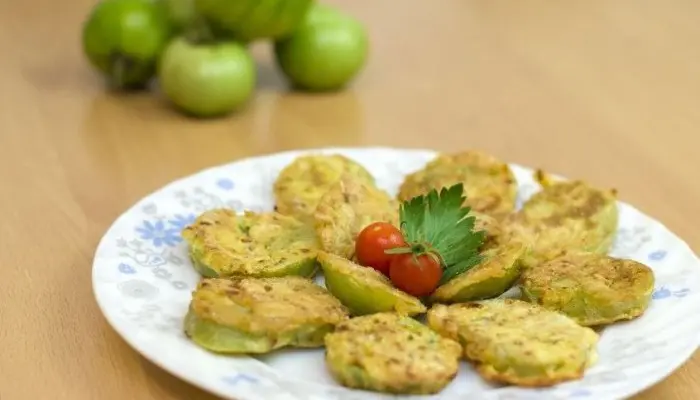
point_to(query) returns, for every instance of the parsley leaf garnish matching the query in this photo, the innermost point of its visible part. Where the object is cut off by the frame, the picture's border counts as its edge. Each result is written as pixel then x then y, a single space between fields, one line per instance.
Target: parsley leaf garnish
pixel 439 221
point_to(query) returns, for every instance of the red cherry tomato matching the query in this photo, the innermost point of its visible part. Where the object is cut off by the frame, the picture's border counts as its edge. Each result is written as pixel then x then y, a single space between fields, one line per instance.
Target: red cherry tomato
pixel 415 275
pixel 373 240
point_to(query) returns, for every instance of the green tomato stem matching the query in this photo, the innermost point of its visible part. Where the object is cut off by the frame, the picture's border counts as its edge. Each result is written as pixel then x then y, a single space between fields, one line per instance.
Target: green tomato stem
pixel 398 250
pixel 120 70
pixel 418 249
pixel 200 32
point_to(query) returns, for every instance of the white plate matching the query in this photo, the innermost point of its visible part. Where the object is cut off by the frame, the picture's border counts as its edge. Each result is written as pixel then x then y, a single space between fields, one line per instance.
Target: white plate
pixel 142 279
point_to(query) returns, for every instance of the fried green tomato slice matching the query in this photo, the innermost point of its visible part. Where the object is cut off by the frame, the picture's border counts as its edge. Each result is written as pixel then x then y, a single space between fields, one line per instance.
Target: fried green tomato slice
pixel 365 290
pixel 300 185
pixel 391 353
pixel 223 243
pixel 346 209
pixel 567 216
pixel 490 225
pixel 593 289
pixel 489 183
pixel 258 315
pixel 493 276
pixel 514 342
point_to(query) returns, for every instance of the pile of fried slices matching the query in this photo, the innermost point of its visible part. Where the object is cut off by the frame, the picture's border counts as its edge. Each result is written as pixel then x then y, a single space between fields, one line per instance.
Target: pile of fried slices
pixel 258 294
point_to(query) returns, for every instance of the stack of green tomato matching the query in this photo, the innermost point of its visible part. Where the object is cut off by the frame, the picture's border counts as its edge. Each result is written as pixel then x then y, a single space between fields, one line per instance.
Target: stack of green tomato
pixel 198 49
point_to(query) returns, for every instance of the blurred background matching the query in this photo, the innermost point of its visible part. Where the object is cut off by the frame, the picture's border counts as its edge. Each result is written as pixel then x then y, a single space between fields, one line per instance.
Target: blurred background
pixel 589 81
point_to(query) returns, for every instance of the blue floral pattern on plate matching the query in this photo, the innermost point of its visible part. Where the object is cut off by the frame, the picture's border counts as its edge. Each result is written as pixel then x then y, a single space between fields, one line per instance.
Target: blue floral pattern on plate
pixel 142 279
pixel 126 269
pixel 664 292
pixel 658 255
pixel 179 222
pixel 237 379
pixel 158 233
pixel 225 183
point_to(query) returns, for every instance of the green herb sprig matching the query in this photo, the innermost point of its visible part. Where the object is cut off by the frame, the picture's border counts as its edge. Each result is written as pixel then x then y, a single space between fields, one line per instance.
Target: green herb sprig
pixel 438 221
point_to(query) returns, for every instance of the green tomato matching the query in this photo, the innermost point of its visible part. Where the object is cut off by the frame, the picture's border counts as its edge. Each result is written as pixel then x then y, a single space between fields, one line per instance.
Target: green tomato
pixel 223 15
pixel 288 19
pixel 248 20
pixel 207 79
pixel 123 39
pixel 259 19
pixel 325 53
pixel 181 14
pixel 323 13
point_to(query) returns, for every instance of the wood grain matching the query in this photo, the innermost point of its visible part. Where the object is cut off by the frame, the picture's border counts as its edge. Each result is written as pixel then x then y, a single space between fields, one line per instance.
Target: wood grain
pixel 604 90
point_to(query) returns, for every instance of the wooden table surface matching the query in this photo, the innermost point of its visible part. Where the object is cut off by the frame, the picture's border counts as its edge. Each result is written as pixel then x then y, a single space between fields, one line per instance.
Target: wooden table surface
pixel 605 90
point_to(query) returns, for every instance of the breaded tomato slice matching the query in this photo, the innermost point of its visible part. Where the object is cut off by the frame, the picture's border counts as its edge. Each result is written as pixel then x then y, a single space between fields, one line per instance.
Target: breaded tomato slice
pixel 346 209
pixel 489 183
pixel 391 353
pixel 223 243
pixel 593 289
pixel 493 276
pixel 567 216
pixel 300 185
pixel 515 342
pixel 365 290
pixel 258 315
